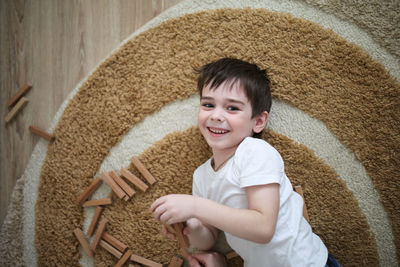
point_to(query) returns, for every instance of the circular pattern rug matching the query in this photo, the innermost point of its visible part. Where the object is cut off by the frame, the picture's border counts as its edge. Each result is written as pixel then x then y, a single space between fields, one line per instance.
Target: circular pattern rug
pixel 334 120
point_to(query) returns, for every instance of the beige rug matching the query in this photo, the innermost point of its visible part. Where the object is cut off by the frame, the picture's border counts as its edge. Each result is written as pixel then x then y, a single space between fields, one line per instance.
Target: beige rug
pixel 334 120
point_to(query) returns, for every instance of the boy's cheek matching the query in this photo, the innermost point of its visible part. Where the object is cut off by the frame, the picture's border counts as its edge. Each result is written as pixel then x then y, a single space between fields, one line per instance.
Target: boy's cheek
pixel 202 132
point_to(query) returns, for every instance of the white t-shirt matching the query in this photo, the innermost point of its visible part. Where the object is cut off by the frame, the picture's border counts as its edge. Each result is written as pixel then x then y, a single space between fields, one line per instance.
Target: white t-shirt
pixel 256 162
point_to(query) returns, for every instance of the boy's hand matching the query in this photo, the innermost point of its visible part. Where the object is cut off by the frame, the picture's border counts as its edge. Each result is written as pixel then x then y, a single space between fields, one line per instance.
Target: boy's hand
pixel 172 209
pixel 207 259
pixel 168 231
pixel 191 225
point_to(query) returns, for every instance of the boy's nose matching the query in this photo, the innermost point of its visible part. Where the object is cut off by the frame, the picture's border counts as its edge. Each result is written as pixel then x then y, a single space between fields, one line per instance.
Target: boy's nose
pixel 217 115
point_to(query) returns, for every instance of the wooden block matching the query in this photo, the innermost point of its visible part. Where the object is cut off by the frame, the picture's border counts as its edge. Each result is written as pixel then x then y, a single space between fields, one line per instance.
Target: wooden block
pixel 83 241
pixel 124 258
pixel 135 265
pixel 182 239
pixel 99 233
pixel 41 133
pixel 128 190
pixel 95 219
pixel 134 179
pixel 145 261
pixel 175 262
pixel 184 253
pixel 21 103
pixel 89 191
pixel 114 186
pixel 142 169
pixel 114 242
pixel 299 190
pixel 231 255
pixel 97 202
pixel 110 249
pixel 21 91
pixel 169 228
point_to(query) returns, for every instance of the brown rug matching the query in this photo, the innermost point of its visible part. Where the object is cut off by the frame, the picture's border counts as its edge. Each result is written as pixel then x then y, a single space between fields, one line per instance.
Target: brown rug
pixel 311 68
pixel 380 18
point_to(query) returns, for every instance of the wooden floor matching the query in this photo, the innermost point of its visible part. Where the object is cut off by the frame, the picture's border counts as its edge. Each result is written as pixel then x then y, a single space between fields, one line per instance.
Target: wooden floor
pixel 52 45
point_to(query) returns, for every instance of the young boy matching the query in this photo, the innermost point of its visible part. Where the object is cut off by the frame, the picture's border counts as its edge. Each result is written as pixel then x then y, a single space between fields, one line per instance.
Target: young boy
pixel 242 189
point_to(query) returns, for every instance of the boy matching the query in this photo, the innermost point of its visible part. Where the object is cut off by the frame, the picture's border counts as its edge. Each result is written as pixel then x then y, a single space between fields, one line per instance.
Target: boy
pixel 242 189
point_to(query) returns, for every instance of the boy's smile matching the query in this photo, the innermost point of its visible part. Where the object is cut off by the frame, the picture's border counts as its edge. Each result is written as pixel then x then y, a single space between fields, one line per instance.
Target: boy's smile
pixel 225 118
pixel 217 131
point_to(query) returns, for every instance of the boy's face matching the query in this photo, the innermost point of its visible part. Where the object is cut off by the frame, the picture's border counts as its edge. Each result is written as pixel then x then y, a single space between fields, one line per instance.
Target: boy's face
pixel 225 117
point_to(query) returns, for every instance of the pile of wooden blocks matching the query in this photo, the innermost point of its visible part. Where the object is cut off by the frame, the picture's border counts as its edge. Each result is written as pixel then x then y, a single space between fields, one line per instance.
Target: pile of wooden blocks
pixel 104 239
pixel 16 103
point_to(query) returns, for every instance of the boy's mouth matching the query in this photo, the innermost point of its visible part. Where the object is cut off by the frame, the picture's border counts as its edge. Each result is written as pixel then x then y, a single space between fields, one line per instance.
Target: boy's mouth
pixel 217 130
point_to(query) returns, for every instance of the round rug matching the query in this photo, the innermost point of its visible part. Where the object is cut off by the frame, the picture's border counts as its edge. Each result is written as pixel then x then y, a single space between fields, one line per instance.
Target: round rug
pixel 329 81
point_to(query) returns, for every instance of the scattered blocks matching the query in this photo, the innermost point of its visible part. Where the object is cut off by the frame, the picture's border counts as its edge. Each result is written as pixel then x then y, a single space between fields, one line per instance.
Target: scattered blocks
pixel 182 239
pixel 124 186
pixel 134 179
pixel 114 186
pixel 176 262
pixel 83 241
pixel 121 247
pixel 117 248
pixel 95 219
pixel 19 100
pixel 21 91
pixel 89 191
pixel 97 202
pixel 110 249
pixel 142 169
pixel 103 238
pixel 99 233
pixel 41 133
pixel 169 228
pixel 21 103
pixel 124 258
pixel 144 261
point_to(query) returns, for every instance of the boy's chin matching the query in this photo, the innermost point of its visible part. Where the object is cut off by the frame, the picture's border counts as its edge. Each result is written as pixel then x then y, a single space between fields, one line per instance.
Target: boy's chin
pixel 221 146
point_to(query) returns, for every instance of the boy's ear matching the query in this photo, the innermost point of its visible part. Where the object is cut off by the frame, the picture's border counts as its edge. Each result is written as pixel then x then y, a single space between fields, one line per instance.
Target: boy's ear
pixel 260 122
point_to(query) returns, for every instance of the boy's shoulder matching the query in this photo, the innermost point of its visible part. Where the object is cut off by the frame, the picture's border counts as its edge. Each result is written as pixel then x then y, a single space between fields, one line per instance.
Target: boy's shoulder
pixel 256 149
pixel 255 144
pixel 203 167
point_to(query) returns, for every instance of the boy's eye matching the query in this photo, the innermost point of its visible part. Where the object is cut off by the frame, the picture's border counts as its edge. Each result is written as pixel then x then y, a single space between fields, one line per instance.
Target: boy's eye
pixel 207 105
pixel 232 108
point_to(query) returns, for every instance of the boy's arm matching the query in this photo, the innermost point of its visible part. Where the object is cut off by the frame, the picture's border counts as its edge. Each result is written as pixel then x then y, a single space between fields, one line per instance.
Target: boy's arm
pixel 201 236
pixel 257 223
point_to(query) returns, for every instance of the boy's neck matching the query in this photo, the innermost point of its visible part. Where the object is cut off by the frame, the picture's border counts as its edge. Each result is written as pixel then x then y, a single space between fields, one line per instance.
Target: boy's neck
pixel 219 159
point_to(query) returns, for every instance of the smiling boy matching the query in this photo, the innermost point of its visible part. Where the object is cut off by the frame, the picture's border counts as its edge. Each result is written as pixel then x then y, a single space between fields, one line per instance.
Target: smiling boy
pixel 242 189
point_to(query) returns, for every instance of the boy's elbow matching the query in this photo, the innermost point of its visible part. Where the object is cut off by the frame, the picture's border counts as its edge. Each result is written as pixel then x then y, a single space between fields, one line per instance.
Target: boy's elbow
pixel 263 239
pixel 265 236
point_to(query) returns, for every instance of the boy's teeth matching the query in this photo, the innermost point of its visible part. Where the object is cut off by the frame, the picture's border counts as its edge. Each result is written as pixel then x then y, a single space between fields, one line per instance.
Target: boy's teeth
pixel 217 131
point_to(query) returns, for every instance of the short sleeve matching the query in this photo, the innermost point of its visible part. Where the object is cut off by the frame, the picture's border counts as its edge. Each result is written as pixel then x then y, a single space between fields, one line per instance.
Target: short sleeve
pixel 195 186
pixel 258 163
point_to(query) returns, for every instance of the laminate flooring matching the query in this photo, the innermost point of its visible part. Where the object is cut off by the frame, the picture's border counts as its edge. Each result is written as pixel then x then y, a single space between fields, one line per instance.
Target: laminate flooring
pixel 53 45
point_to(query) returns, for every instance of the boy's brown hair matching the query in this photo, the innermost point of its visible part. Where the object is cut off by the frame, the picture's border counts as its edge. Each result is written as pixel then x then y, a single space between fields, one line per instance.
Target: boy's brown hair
pixel 255 81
